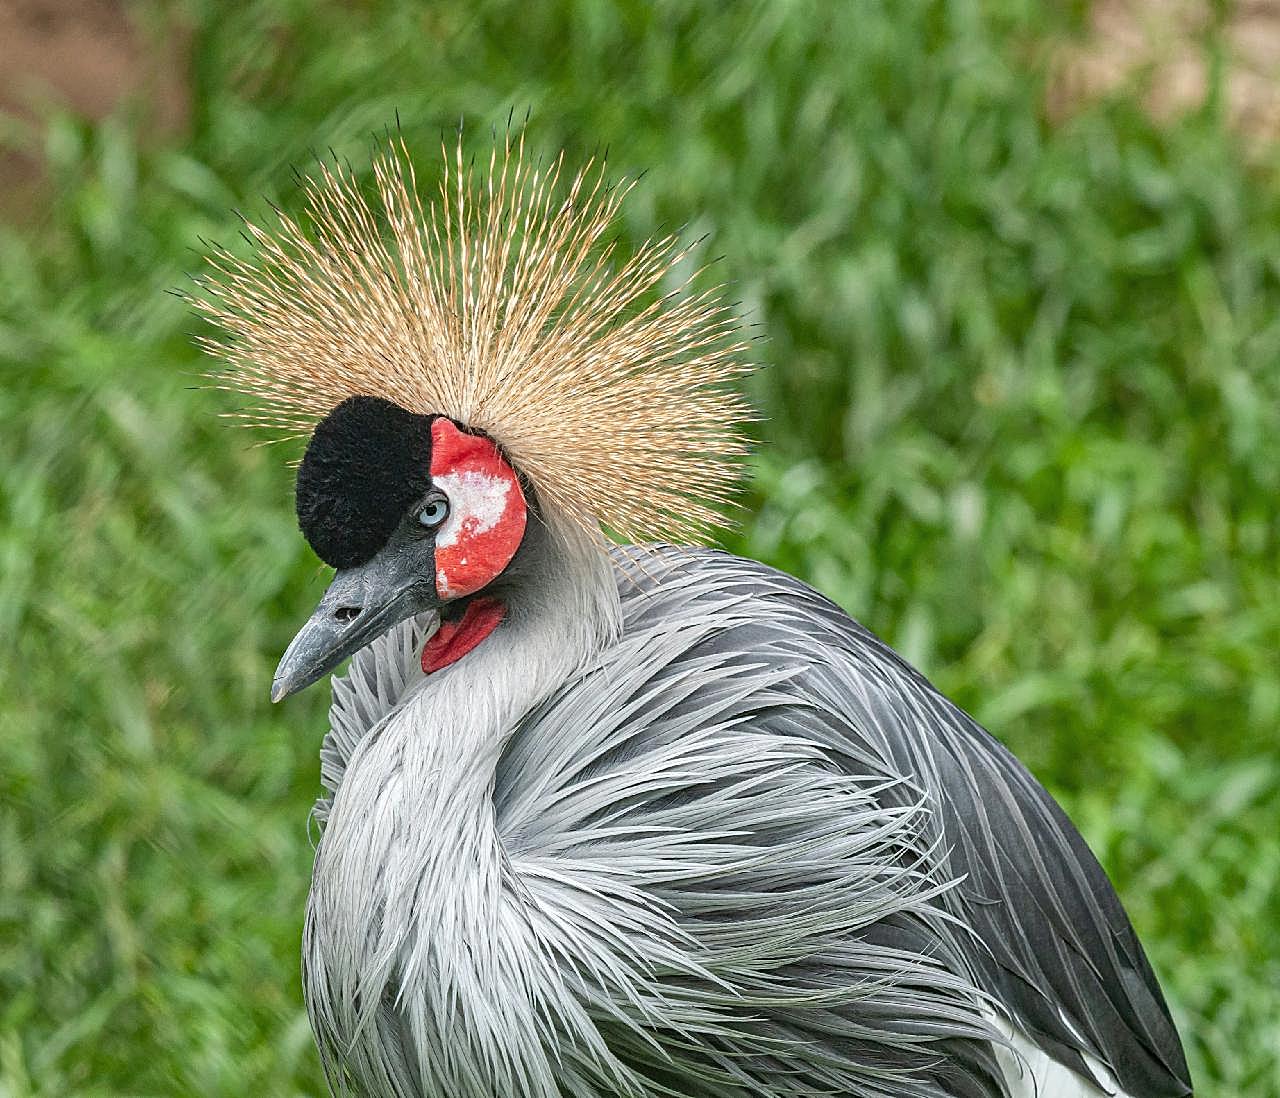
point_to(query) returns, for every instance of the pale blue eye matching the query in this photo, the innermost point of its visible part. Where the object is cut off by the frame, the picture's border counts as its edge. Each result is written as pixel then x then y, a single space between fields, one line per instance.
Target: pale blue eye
pixel 433 512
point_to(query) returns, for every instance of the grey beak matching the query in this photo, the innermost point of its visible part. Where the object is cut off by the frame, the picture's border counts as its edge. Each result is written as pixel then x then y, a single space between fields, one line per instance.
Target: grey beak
pixel 360 605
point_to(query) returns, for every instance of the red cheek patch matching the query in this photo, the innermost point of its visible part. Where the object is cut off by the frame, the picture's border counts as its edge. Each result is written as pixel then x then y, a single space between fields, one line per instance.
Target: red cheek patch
pixel 486 510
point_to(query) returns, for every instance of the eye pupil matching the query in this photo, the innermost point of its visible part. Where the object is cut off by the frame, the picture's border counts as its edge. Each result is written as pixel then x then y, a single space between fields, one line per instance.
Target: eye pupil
pixel 433 513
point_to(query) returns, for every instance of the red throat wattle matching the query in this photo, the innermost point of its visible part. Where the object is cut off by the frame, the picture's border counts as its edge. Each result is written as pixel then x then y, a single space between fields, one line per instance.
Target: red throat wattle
pixel 454 639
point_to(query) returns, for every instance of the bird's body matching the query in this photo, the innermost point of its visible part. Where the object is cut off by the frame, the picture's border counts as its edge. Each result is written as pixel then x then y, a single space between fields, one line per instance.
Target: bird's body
pixel 629 823
pixel 738 848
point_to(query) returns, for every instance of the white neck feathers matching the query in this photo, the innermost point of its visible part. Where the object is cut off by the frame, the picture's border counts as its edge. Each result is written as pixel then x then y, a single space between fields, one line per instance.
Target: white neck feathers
pixel 412 812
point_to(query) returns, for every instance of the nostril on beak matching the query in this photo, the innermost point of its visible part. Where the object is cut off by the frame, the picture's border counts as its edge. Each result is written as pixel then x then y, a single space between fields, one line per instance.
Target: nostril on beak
pixel 345 615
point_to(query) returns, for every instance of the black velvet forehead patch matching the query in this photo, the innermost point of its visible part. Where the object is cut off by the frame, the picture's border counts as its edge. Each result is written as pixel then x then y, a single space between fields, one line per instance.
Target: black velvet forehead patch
pixel 367 462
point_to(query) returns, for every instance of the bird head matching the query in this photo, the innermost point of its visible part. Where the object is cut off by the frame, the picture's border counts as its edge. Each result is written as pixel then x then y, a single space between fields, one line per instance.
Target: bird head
pixel 471 374
pixel 417 514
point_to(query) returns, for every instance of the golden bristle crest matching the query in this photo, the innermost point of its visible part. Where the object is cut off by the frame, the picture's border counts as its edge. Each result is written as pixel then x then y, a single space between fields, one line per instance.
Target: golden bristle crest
pixel 500 306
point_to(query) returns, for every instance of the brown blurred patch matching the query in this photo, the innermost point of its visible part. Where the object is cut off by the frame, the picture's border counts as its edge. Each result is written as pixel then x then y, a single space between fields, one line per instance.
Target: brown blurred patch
pixel 93 57
pixel 1165 50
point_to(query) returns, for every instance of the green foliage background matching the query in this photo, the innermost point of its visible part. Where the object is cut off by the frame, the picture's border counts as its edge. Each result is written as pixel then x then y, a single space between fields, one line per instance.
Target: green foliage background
pixel 1021 415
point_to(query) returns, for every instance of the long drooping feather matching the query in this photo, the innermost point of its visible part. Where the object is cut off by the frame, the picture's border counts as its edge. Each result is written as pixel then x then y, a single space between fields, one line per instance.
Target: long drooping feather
pixel 745 850
pixel 502 307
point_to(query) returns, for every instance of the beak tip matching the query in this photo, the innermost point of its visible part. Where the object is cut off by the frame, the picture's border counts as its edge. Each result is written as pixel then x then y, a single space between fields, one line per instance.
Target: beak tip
pixel 281 688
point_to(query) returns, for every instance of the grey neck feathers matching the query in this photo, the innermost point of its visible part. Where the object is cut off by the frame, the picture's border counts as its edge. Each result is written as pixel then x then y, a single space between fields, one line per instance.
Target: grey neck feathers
pixel 562 608
pixel 410 768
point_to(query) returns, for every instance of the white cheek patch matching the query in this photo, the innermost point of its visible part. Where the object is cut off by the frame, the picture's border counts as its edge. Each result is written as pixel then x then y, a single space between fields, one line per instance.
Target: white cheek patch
pixel 486 519
pixel 477 502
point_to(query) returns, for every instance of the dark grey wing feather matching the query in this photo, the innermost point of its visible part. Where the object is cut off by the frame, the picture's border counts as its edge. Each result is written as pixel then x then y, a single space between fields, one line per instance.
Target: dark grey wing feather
pixel 1063 953
pixel 1060 952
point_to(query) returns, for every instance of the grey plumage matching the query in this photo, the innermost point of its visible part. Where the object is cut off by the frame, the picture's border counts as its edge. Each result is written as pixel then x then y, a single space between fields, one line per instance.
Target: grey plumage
pixel 728 844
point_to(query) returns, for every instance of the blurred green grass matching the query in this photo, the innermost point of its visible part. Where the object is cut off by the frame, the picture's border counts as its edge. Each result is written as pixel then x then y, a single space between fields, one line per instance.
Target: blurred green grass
pixel 1022 417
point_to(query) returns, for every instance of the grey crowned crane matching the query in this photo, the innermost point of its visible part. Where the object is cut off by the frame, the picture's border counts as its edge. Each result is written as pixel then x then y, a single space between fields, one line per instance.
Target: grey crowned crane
pixel 606 820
